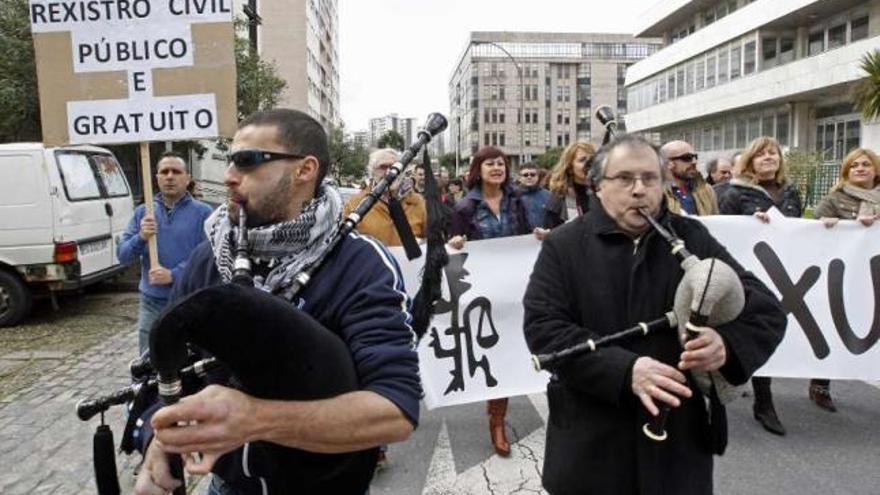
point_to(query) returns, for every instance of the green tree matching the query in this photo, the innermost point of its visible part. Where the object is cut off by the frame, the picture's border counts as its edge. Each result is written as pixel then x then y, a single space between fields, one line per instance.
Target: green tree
pixel 550 157
pixel 447 161
pixel 391 139
pixel 348 160
pixel 19 103
pixel 867 92
pixel 258 84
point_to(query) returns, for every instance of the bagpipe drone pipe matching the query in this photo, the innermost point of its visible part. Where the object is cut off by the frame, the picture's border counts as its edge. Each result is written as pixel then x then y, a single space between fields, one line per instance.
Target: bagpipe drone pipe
pixel 710 293
pixel 267 348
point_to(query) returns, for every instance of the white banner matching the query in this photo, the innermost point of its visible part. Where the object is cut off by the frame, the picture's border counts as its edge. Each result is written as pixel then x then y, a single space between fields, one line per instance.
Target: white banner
pixel 828 280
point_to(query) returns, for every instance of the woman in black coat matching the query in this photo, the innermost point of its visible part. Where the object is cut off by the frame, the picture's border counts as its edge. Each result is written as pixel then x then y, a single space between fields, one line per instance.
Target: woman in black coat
pixel 759 184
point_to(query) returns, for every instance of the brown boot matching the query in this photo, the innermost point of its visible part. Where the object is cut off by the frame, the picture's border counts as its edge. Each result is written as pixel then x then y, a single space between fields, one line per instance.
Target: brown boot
pixel 820 393
pixel 497 409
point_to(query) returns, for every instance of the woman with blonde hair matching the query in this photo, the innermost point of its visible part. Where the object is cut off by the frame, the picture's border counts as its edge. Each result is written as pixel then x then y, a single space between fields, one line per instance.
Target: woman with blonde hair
pixel 856 196
pixel 569 186
pixel 760 184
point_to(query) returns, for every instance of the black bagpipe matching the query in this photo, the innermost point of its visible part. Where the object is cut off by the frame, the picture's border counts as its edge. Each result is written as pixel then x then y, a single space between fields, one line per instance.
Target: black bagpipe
pixel 710 293
pixel 267 348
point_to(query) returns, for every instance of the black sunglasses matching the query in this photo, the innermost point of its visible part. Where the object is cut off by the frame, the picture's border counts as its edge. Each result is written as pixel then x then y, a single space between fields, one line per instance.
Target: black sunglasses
pixel 245 159
pixel 687 157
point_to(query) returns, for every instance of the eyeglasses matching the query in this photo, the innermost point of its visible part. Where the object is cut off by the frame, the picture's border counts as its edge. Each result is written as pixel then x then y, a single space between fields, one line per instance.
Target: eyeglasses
pixel 627 180
pixel 528 174
pixel 246 159
pixel 687 157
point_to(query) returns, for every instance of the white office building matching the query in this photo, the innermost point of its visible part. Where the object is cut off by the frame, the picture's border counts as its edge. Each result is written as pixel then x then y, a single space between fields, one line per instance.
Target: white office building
pixel 730 71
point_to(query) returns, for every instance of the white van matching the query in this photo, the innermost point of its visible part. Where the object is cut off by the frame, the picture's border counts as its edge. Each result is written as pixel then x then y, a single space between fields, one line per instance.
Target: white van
pixel 61 213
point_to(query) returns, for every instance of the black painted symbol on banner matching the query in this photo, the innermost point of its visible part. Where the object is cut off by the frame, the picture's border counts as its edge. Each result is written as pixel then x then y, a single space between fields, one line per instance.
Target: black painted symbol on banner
pixel 793 302
pixel 853 343
pixel 455 274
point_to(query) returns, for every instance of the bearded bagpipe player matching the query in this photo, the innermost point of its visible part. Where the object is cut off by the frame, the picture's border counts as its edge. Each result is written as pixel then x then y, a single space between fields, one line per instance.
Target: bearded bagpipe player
pixel 646 323
pixel 304 324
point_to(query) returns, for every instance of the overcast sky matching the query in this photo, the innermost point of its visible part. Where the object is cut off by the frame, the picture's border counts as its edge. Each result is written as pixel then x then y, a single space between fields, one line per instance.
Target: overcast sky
pixel 396 56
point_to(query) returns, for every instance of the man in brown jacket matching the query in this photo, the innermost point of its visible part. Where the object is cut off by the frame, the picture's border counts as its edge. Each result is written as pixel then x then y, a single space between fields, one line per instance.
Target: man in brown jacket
pixel 378 223
pixel 687 190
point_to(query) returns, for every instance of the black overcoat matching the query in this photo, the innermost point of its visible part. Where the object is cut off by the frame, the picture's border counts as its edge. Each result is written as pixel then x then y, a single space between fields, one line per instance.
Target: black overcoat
pixel 590 280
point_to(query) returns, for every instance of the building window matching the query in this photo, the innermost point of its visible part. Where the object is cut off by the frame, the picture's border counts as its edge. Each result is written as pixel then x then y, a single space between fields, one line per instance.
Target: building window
pixel 700 81
pixel 486 139
pixel 767 129
pixel 501 92
pixel 710 71
pixel 722 66
pixel 816 43
pixel 671 84
pixel 768 52
pixel 735 62
pixel 754 128
pixel 679 82
pixel 501 116
pixel 740 133
pixel 786 49
pixel 501 138
pixel 782 128
pixel 859 29
pixel 837 36
pixel 689 79
pixel 749 58
pixel 729 133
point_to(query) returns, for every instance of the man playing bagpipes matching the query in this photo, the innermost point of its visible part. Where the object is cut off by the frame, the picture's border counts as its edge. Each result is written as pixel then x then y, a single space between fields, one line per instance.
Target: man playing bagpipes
pixel 278 161
pixel 605 272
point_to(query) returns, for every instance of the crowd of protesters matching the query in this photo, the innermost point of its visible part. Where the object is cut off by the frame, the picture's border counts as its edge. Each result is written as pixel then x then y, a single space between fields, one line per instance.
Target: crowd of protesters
pixel 492 200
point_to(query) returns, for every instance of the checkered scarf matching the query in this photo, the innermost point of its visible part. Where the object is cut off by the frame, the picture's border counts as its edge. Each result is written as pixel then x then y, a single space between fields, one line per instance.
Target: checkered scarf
pixel 288 247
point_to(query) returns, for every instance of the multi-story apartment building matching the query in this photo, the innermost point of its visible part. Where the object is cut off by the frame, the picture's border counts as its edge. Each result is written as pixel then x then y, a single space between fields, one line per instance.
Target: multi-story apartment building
pixel 406 127
pixel 300 38
pixel 731 71
pixel 527 92
pixel 361 138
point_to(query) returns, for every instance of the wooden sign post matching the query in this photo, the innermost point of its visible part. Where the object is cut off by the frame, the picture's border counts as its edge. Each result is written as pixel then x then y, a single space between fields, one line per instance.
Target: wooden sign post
pixel 147 180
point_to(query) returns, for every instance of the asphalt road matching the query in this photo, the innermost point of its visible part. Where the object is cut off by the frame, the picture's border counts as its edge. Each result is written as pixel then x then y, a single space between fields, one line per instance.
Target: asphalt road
pixel 54 359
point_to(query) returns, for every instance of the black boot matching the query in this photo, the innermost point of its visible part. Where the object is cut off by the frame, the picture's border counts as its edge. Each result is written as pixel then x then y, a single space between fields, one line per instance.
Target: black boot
pixel 763 408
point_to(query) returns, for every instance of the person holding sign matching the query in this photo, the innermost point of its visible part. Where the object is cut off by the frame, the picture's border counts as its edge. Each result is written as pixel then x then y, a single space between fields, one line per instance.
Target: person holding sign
pixel 177 225
pixel 603 273
pixel 760 183
pixel 492 208
pixel 856 196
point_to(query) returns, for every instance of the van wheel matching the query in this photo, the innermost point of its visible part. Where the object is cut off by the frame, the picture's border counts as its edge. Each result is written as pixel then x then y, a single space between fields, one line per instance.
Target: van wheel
pixel 15 299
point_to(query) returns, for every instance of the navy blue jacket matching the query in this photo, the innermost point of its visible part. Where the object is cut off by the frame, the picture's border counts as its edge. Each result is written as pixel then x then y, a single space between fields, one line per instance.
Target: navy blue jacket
pixel 534 199
pixel 179 232
pixel 359 294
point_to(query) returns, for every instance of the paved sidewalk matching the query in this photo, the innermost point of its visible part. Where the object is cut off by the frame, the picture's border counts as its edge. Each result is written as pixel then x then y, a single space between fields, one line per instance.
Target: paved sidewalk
pixel 57 359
